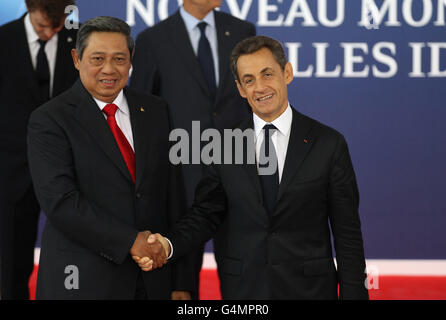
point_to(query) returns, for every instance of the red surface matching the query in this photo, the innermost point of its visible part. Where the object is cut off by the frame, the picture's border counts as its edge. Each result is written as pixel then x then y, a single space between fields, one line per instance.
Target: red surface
pixel 384 288
pixel 410 288
pixel 209 285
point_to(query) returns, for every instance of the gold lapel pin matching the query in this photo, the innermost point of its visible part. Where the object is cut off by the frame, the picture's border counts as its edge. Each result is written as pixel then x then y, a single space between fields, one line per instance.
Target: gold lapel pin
pixel 142 109
pixel 227 33
pixel 69 39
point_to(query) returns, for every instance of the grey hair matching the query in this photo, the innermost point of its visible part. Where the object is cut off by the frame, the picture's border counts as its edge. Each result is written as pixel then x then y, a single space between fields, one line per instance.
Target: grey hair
pixel 102 24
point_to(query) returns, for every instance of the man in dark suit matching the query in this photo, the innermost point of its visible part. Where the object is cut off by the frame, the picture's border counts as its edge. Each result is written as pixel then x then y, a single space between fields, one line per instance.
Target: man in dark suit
pixel 98 157
pixel 185 60
pixel 273 225
pixel 35 65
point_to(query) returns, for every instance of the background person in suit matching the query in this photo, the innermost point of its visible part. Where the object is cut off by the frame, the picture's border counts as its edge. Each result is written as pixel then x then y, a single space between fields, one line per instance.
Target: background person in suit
pixel 35 65
pixel 275 226
pixel 185 60
pixel 98 157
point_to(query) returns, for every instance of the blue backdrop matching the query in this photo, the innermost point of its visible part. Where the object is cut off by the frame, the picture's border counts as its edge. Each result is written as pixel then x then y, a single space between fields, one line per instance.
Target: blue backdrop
pixel 374 70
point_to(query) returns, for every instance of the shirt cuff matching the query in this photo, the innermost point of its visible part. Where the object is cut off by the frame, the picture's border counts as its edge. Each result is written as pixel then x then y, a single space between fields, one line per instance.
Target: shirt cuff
pixel 171 248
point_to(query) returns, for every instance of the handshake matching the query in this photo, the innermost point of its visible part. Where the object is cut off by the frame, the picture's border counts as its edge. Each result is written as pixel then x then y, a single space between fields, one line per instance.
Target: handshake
pixel 150 251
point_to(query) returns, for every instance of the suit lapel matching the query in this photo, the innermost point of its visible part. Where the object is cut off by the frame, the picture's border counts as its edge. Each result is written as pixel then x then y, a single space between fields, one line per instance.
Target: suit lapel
pixel 251 169
pixel 224 50
pixel 141 134
pixel 180 39
pixel 24 56
pixel 252 174
pixel 64 45
pixel 91 118
pixel 299 144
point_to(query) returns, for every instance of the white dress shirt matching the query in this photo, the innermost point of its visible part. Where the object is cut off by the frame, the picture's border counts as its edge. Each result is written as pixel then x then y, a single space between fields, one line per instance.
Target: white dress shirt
pixel 122 115
pixel 194 35
pixel 280 137
pixel 34 46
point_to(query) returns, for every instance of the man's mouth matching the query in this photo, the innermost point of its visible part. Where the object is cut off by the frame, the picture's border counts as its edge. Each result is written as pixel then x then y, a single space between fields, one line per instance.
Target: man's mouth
pixel 106 82
pixel 264 98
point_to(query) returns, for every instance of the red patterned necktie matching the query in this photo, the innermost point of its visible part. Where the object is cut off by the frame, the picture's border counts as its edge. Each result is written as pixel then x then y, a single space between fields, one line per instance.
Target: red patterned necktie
pixel 121 140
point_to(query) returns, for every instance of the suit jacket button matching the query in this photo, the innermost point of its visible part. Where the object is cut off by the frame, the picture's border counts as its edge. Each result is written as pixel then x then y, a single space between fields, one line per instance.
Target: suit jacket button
pixel 214 114
pixel 138 195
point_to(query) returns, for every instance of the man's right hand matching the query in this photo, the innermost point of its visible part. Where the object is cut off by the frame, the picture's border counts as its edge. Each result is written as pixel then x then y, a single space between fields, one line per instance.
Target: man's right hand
pixel 146 263
pixel 154 250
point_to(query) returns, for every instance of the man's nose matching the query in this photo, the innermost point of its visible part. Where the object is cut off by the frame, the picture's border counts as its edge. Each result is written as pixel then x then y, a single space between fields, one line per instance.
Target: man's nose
pixel 108 66
pixel 260 85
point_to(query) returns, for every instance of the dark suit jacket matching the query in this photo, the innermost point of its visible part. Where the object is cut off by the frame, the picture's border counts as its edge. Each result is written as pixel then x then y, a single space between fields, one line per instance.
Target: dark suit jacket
pixel 287 255
pixel 93 208
pixel 165 65
pixel 19 96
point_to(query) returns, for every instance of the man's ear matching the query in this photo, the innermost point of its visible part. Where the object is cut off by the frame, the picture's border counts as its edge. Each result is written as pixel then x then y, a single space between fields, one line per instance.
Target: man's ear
pixel 76 59
pixel 289 76
pixel 240 89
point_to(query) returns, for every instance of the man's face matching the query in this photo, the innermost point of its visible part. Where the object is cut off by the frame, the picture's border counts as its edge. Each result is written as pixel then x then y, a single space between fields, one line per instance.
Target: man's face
pixel 263 83
pixel 105 65
pixel 43 25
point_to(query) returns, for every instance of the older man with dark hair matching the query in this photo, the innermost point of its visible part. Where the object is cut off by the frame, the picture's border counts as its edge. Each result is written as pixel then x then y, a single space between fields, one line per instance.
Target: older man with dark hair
pixel 35 65
pixel 99 160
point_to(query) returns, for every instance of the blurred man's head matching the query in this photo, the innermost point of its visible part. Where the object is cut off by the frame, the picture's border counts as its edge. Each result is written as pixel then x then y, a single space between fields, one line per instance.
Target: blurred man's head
pixel 262 74
pixel 200 8
pixel 47 16
pixel 103 54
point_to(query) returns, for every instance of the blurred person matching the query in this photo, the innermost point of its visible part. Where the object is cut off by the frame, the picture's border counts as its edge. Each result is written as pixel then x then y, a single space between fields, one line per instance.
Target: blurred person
pixel 35 65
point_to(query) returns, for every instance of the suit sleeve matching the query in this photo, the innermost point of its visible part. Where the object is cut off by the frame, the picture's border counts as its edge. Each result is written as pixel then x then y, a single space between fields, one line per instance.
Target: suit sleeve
pixel 204 217
pixel 145 76
pixel 66 207
pixel 346 226
pixel 183 274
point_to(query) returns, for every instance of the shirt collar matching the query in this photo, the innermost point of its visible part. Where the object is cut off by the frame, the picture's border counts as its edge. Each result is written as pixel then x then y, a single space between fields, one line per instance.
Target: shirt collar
pixel 191 22
pixel 282 123
pixel 119 101
pixel 31 34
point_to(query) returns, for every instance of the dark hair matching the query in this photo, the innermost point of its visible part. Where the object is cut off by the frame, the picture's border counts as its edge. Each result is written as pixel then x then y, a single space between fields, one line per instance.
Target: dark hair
pixel 54 9
pixel 102 24
pixel 254 44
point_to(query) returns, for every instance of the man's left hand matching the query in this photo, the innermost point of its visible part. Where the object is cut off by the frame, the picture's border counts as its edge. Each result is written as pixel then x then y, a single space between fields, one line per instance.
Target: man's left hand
pixel 181 295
